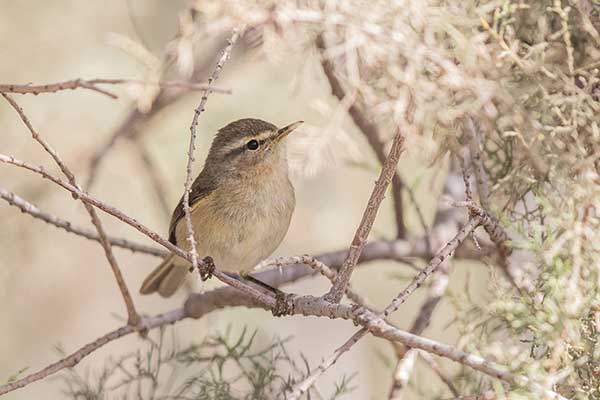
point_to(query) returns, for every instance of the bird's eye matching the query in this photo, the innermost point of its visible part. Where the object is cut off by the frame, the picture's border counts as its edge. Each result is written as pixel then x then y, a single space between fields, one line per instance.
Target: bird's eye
pixel 252 144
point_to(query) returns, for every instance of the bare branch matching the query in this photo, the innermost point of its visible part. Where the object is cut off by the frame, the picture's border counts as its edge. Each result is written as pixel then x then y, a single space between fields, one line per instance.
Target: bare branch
pixel 132 314
pixel 92 84
pixel 368 129
pixel 389 167
pixel 35 212
pixel 74 358
pixel 155 178
pixel 435 262
pixel 406 358
pixel 96 203
pixel 480 176
pixel 434 366
pixel 188 178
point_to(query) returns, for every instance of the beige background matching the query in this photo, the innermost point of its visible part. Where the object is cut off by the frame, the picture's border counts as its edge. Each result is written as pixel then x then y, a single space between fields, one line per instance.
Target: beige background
pixel 56 288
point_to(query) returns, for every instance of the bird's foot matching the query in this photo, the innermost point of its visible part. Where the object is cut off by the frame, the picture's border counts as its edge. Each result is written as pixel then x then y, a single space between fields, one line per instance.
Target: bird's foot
pixel 207 268
pixel 284 304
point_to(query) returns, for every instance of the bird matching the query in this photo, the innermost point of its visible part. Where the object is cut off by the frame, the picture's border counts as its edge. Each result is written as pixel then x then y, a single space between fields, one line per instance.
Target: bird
pixel 241 204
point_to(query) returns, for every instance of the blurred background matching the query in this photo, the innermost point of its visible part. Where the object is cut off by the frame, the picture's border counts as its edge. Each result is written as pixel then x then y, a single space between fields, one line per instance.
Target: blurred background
pixel 57 289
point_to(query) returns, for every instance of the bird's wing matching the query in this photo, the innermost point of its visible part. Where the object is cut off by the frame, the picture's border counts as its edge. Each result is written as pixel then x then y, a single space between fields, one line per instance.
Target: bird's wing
pixel 201 188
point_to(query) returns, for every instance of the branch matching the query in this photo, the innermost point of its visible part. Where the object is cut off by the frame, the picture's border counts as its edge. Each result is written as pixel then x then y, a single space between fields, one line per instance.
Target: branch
pixel 96 203
pixel 188 178
pixel 407 358
pixel 483 188
pixel 92 84
pixel 155 178
pixel 35 212
pixel 308 306
pixel 444 253
pixel 74 358
pixel 300 305
pixel 132 314
pixel 389 167
pixel 368 129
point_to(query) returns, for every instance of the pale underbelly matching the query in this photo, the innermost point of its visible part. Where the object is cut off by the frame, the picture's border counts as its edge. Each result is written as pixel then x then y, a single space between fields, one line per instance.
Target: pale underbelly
pixel 236 247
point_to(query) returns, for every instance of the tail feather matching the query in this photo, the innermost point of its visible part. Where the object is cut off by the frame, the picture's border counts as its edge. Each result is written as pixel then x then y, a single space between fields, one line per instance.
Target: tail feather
pixel 166 278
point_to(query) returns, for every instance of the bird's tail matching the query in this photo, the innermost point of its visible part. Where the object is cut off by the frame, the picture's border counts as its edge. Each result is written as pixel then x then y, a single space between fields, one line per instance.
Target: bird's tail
pixel 167 277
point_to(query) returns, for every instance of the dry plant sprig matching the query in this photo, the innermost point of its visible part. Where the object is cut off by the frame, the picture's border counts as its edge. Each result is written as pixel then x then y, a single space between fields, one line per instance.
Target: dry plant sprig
pixel 368 129
pixel 35 212
pixel 387 172
pixel 92 84
pixel 132 315
pixel 190 155
pixel 443 254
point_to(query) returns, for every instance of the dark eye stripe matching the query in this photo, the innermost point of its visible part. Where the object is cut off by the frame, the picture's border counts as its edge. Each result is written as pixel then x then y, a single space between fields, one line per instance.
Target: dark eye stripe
pixel 242 148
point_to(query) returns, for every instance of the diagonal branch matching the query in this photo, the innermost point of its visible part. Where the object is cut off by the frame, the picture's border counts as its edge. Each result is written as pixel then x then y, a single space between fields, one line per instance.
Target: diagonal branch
pixel 188 177
pixel 35 212
pixel 96 203
pixel 360 238
pixel 132 315
pixel 369 130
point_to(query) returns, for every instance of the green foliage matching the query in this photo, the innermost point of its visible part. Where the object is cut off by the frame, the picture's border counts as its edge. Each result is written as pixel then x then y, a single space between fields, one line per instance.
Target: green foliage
pixel 221 367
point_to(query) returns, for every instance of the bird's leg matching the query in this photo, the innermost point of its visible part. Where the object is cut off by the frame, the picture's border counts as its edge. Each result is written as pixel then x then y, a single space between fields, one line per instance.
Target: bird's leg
pixel 207 269
pixel 281 306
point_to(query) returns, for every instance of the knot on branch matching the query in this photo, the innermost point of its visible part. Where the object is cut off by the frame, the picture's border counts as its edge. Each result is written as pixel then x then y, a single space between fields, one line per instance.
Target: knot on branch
pixel 359 314
pixel 284 304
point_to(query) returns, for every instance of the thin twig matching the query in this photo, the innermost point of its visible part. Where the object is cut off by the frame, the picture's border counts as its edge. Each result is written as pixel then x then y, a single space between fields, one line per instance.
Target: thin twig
pixel 35 212
pixel 360 238
pixel 406 358
pixel 188 177
pixel 129 126
pixel 434 366
pixel 426 229
pixel 157 182
pixel 132 314
pixel 483 188
pixel 368 129
pixel 92 84
pixel 74 358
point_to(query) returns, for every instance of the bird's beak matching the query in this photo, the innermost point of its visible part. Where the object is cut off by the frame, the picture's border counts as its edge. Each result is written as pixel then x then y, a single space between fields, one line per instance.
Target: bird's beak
pixel 286 130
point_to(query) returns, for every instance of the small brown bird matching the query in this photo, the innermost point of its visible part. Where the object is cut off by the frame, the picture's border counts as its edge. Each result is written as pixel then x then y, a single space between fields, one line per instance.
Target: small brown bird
pixel 241 204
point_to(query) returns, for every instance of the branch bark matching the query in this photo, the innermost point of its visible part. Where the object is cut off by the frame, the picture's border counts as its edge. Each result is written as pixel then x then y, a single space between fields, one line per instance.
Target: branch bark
pixel 389 166
pixel 35 212
pixel 92 84
pixel 368 129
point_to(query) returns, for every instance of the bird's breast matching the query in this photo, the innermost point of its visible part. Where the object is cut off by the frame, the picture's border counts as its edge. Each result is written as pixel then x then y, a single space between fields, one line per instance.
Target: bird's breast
pixel 242 223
